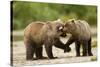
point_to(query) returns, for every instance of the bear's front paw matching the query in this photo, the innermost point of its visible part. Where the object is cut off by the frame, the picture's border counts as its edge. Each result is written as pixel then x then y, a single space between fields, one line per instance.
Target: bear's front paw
pixel 67 49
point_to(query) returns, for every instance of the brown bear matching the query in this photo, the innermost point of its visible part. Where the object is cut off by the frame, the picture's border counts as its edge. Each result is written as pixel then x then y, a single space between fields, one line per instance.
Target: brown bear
pixel 81 35
pixel 38 33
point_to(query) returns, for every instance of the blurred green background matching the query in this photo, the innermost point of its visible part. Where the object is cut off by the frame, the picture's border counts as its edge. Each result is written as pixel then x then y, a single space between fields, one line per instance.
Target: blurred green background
pixel 24 13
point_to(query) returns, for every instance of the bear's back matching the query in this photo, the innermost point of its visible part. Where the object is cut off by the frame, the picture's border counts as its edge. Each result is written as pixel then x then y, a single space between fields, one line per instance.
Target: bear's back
pixel 33 30
pixel 84 29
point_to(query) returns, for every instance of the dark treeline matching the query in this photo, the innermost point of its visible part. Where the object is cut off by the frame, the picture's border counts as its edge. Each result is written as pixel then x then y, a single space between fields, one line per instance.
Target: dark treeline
pixel 26 12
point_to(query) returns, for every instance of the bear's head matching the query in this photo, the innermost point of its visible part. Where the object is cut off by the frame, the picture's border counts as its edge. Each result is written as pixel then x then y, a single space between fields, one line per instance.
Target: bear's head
pixel 55 28
pixel 69 26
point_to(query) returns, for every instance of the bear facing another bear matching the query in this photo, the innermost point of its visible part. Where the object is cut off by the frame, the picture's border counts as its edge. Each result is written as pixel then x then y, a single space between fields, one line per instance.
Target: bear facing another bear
pixel 37 34
pixel 81 35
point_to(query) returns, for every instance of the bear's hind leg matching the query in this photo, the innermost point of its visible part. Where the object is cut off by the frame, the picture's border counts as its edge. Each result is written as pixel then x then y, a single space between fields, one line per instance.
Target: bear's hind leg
pixel 77 47
pixel 29 51
pixel 85 48
pixel 89 48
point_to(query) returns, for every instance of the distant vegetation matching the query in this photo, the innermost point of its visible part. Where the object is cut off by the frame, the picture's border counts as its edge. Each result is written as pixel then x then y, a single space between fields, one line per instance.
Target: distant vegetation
pixel 25 12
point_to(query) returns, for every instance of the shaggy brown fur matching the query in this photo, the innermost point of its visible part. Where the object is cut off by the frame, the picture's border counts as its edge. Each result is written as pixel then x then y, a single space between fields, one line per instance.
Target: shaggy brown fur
pixel 38 33
pixel 81 34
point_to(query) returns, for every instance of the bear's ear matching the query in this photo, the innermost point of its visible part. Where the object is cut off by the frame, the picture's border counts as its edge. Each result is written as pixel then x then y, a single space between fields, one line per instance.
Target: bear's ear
pixel 73 20
pixel 49 27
